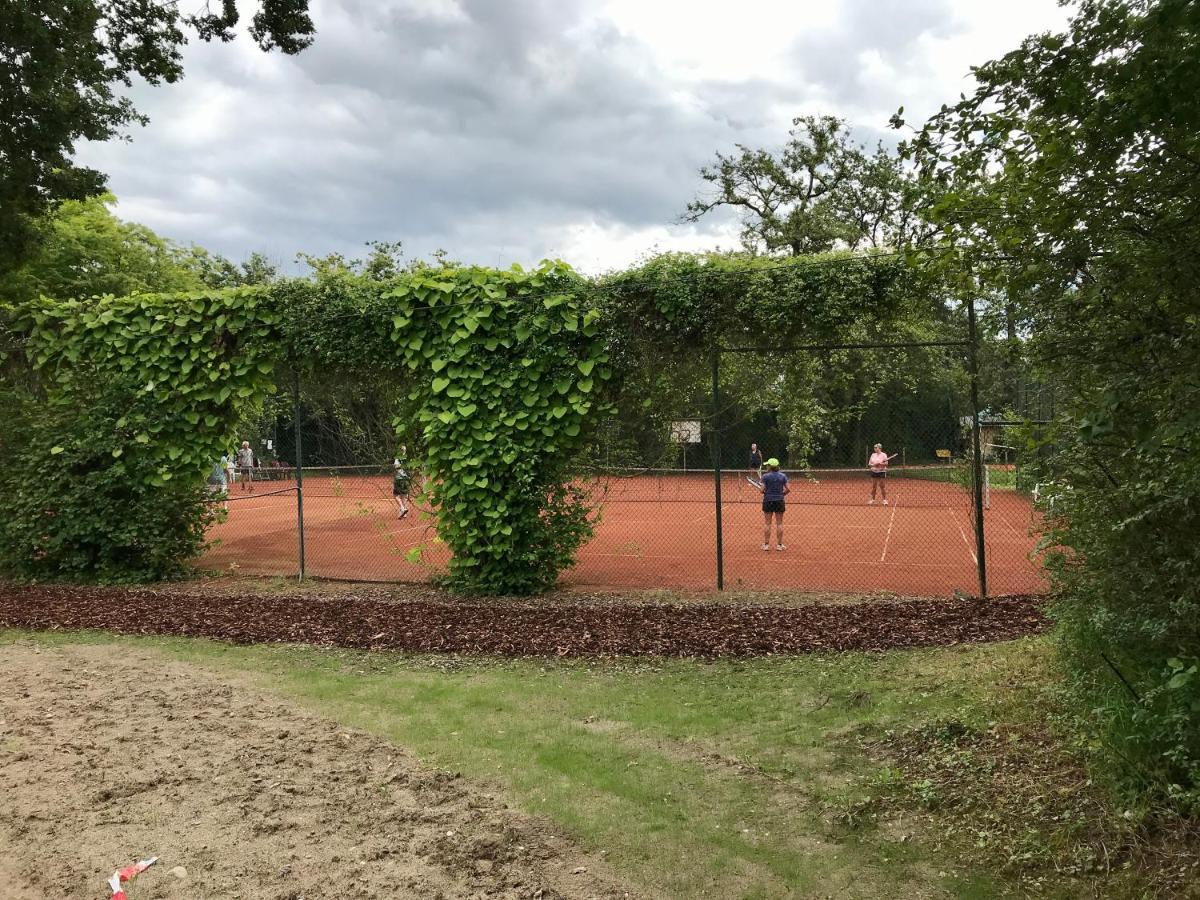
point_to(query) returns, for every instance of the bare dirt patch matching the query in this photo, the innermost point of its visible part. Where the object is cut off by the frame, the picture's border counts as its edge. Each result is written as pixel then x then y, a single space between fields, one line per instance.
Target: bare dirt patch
pixel 110 754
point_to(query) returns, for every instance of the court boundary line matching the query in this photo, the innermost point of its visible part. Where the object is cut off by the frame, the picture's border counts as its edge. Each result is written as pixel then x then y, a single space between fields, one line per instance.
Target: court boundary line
pixel 974 558
pixel 887 539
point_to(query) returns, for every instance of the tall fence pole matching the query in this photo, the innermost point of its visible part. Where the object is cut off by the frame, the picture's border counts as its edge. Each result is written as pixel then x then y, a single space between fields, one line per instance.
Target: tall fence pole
pixel 299 470
pixel 977 442
pixel 715 427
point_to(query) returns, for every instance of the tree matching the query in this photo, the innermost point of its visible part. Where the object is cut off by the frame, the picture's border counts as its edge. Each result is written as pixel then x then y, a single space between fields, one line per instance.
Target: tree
pixel 62 66
pixel 820 193
pixel 83 250
pixel 1073 187
pixel 215 270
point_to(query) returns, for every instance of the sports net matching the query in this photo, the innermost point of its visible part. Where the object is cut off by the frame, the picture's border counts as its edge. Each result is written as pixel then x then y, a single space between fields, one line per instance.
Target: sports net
pixel 930 486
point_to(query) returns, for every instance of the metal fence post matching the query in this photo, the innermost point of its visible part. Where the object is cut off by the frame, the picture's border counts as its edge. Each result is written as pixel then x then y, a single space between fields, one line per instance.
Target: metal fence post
pixel 715 427
pixel 977 441
pixel 299 471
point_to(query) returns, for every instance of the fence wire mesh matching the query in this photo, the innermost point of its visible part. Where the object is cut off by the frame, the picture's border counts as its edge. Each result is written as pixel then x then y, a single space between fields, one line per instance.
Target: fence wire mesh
pixel 911 532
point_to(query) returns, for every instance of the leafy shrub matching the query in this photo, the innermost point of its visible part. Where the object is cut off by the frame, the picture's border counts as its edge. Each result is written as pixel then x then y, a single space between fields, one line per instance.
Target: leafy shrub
pixel 75 503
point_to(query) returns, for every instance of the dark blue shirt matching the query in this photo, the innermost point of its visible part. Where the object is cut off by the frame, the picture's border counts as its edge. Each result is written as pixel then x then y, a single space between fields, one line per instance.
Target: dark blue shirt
pixel 773 484
pixel 756 460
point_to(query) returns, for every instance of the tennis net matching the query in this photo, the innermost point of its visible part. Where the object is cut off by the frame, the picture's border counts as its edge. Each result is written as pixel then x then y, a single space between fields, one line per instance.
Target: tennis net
pixel 924 486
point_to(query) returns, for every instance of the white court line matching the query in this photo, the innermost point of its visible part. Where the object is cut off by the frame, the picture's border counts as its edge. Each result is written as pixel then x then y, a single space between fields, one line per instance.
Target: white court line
pixel 974 558
pixel 1004 519
pixel 883 556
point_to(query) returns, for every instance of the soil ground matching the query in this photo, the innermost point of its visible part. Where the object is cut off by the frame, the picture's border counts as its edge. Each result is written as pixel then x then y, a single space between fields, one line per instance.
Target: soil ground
pixel 108 755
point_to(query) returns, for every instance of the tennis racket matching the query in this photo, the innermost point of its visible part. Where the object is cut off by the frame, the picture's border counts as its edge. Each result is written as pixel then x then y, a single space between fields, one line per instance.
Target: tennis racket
pixel 757 485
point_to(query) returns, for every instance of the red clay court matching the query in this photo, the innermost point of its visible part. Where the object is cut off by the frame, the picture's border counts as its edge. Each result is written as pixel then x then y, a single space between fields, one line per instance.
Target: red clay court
pixel 657 530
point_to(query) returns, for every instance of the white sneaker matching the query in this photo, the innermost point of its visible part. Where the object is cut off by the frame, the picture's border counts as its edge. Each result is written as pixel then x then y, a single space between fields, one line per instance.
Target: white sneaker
pixel 871 502
pixel 766 546
pixel 885 503
pixel 780 547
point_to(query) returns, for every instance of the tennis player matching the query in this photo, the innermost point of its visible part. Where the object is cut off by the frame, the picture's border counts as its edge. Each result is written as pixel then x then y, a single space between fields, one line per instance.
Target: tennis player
pixel 401 484
pixel 245 458
pixel 878 464
pixel 756 460
pixel 774 488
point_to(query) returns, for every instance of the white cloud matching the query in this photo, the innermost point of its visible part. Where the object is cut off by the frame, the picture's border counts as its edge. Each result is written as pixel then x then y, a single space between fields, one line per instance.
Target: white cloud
pixel 501 132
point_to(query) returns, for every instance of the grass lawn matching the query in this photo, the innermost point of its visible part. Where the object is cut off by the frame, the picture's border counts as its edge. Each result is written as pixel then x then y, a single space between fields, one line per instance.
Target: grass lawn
pixel 697 779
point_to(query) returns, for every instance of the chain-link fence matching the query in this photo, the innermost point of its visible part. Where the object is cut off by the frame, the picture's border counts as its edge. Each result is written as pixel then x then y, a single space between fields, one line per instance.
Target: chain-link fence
pixel 877 445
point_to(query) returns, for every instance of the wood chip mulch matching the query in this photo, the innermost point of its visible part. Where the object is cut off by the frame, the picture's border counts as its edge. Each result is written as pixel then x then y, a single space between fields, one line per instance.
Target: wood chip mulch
pixel 528 628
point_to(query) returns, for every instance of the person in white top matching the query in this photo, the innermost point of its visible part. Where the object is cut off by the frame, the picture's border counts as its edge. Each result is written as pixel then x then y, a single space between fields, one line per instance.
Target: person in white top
pixel 878 464
pixel 246 461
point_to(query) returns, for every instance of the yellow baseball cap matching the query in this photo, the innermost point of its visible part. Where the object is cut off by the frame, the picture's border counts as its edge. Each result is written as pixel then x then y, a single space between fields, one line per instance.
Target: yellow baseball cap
pixel 772 461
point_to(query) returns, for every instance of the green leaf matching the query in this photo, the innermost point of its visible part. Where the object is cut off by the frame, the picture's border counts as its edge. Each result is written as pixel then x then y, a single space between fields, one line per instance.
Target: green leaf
pixel 440 384
pixel 437 364
pixel 586 366
pixel 54 451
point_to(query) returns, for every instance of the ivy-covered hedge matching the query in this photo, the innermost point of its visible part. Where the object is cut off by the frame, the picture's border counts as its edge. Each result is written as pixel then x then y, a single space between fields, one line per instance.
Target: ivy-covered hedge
pixel 508 365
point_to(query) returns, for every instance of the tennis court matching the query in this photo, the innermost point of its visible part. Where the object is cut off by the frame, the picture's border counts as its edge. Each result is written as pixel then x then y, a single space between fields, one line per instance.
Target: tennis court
pixel 657 529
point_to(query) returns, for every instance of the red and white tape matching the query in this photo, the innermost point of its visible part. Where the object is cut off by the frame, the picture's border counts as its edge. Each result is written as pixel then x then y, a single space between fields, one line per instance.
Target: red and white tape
pixel 123 875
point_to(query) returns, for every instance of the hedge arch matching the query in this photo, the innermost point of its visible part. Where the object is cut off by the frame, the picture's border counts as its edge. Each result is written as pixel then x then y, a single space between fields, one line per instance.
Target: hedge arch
pixel 509 367
pixel 507 363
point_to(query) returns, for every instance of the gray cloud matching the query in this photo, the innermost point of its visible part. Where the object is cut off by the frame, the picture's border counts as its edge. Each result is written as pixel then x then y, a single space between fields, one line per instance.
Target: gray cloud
pixel 487 129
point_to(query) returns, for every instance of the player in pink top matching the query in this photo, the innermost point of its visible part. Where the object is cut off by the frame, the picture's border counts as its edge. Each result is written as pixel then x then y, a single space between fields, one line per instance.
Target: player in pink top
pixel 878 464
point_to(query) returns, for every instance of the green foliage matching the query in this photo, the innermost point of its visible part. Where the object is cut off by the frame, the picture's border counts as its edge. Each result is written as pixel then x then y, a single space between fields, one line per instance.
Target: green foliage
pixel 820 193
pixel 215 271
pixel 185 363
pixel 513 360
pixel 75 503
pixel 64 68
pixel 665 316
pixel 83 250
pixel 506 365
pixel 1074 160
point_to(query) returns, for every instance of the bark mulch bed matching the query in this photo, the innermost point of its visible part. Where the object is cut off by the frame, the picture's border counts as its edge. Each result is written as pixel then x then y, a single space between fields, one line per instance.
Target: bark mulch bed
pixel 529 628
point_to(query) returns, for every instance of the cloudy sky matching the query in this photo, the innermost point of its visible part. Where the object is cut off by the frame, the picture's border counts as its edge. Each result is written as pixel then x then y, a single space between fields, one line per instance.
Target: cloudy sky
pixel 512 130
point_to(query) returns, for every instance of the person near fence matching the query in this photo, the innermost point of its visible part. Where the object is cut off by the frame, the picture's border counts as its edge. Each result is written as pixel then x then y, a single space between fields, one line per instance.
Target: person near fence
pixel 246 463
pixel 774 488
pixel 878 464
pixel 756 460
pixel 401 483
pixel 218 485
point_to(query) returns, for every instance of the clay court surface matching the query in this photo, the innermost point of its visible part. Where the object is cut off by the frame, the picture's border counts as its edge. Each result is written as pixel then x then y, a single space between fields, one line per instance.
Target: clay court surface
pixel 109 755
pixel 659 532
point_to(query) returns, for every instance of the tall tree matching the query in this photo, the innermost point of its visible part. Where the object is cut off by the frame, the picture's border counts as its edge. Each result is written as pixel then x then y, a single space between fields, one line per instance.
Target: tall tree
pixel 83 250
pixel 63 64
pixel 217 271
pixel 821 192
pixel 1077 163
